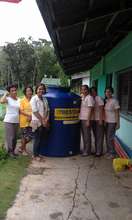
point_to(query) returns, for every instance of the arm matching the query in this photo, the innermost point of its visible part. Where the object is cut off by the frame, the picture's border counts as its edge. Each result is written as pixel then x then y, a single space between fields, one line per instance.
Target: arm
pixel 47 109
pixel 25 114
pixel 90 109
pixel 3 99
pixel 46 118
pixel 101 116
pixel 37 115
pixel 29 117
pixel 117 118
pixel 35 110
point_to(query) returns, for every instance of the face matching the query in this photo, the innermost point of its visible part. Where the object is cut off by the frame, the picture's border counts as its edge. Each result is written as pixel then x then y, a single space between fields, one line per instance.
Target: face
pixel 29 93
pixel 108 93
pixel 13 92
pixel 84 90
pixel 93 92
pixel 41 91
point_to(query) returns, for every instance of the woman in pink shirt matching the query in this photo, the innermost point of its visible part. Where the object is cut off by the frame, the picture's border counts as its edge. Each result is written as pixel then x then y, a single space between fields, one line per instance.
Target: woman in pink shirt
pixel 87 105
pixel 97 122
pixel 111 117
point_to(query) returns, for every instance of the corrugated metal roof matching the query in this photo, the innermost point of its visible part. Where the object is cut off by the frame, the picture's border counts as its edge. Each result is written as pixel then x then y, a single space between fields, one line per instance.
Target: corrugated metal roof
pixel 83 31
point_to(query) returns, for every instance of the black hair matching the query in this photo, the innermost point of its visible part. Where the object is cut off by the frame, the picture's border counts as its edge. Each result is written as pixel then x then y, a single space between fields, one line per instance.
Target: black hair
pixel 27 87
pixel 112 91
pixel 8 88
pixel 109 88
pixel 37 86
pixel 86 87
pixel 93 88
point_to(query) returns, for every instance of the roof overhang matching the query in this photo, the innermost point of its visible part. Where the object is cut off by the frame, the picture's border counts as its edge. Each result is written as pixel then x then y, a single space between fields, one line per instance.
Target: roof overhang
pixel 82 31
pixel 81 75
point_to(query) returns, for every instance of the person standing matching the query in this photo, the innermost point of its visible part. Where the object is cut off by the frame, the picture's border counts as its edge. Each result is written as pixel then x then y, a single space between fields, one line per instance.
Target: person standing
pixel 25 119
pixel 40 118
pixel 86 109
pixel 111 114
pixel 11 119
pixel 97 122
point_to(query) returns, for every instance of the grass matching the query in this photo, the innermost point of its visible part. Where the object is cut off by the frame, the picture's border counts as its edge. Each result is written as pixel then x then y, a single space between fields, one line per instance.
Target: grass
pixel 11 173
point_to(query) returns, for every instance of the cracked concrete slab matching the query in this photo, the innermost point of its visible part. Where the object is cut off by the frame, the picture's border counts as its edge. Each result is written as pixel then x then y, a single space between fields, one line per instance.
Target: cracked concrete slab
pixel 73 188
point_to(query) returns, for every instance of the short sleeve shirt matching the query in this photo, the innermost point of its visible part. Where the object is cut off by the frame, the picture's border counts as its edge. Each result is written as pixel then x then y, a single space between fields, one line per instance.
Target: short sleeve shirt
pixel 25 106
pixel 37 106
pixel 12 110
pixel 40 106
pixel 87 102
pixel 110 107
pixel 98 103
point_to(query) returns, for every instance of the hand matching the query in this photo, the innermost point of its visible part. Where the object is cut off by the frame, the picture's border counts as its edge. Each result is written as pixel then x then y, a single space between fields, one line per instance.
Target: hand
pixel 104 123
pixel 87 123
pixel 117 126
pixel 6 94
pixel 45 123
pixel 29 118
pixel 100 122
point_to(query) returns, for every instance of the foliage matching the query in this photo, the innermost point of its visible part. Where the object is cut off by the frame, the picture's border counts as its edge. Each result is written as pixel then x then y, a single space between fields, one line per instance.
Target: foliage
pixel 1 134
pixel 2 111
pixel 27 62
pixel 3 153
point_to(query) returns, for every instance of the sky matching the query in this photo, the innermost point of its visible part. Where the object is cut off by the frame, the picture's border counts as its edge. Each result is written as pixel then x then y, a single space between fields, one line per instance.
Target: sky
pixel 21 20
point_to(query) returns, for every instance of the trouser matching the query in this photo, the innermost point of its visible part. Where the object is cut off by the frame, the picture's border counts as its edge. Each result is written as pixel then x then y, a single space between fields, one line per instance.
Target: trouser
pixel 98 132
pixel 110 133
pixel 86 135
pixel 11 136
pixel 38 136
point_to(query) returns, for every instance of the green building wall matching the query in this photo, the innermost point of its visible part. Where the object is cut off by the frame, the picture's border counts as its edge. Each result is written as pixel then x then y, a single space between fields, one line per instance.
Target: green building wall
pixel 117 60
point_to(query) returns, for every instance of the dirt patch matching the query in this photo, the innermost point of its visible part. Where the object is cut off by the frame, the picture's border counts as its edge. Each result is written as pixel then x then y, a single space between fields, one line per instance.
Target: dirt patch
pixel 56 216
pixel 114 205
pixel 35 171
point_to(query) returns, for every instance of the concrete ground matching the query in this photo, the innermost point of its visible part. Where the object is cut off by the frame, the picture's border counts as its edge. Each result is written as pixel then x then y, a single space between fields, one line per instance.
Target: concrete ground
pixel 73 188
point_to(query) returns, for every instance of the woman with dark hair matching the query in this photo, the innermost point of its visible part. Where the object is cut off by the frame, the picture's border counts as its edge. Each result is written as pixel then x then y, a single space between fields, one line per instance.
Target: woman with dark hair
pixel 111 117
pixel 87 105
pixel 25 118
pixel 97 122
pixel 40 118
pixel 11 119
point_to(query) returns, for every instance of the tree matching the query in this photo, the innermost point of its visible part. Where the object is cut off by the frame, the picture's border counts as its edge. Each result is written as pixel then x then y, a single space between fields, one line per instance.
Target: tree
pixel 27 62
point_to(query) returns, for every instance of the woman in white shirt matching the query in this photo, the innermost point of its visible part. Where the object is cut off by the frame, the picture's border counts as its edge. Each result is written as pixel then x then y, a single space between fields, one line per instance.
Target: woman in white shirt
pixel 40 118
pixel 87 105
pixel 11 119
pixel 97 122
pixel 111 117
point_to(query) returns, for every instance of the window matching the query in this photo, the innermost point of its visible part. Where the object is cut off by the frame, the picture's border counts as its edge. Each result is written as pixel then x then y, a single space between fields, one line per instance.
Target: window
pixel 125 92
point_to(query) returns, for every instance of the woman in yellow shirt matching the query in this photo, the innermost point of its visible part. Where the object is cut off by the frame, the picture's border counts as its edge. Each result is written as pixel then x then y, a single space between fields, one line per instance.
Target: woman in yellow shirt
pixel 25 118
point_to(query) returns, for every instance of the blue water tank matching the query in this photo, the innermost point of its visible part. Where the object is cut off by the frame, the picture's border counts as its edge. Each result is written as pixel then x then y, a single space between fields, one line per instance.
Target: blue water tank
pixel 64 134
